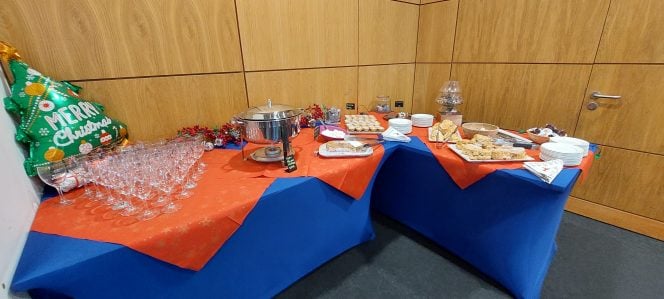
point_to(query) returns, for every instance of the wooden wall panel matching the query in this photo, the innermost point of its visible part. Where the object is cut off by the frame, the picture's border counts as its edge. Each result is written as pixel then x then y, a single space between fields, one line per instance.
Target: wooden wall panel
pixel 634 32
pixel 395 81
pixel 626 180
pixel 301 88
pixel 435 38
pixel 411 1
pixel 529 30
pixel 285 34
pixel 85 39
pixel 388 32
pixel 632 122
pixel 521 96
pixel 157 107
pixel 429 78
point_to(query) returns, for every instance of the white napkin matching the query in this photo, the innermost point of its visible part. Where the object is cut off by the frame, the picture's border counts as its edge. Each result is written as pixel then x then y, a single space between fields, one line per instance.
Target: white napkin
pixel 391 134
pixel 546 171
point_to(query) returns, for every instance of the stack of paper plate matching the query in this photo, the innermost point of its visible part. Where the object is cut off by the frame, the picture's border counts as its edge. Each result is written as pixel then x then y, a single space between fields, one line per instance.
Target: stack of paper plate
pixel 422 120
pixel 402 125
pixel 582 144
pixel 570 154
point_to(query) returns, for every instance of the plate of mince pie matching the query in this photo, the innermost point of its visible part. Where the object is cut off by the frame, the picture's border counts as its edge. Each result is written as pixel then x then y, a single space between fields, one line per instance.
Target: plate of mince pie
pixel 482 149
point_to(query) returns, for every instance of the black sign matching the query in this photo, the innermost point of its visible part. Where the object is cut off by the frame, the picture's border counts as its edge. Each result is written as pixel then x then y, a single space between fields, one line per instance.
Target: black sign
pixel 350 106
pixel 290 163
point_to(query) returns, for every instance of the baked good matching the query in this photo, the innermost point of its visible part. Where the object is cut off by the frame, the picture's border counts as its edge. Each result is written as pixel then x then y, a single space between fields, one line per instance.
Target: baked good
pixel 443 130
pixel 340 146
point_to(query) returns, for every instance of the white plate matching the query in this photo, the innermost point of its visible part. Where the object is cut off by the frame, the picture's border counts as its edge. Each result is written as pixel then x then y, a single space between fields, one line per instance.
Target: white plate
pixel 434 140
pixel 582 144
pixel 560 149
pixel 565 162
pixel 323 152
pixel 458 152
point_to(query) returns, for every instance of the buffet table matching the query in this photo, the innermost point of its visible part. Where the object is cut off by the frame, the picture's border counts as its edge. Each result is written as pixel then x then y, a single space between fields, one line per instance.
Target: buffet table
pixel 505 225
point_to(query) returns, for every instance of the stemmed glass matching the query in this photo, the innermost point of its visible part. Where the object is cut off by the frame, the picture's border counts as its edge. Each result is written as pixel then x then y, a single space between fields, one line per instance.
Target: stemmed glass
pixel 55 175
pixel 140 180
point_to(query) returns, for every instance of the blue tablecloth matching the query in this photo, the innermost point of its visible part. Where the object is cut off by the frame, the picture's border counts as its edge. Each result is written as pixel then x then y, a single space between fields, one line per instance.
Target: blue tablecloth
pixel 504 225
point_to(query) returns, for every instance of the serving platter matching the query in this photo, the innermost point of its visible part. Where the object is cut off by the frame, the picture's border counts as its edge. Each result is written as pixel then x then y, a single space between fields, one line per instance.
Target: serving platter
pixel 465 157
pixel 323 152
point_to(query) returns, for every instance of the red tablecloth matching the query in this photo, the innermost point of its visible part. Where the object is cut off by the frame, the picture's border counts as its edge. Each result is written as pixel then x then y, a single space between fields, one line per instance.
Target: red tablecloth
pixel 466 173
pixel 224 197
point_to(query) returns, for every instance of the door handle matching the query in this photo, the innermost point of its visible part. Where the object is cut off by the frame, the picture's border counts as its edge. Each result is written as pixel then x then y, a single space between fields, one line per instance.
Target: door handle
pixel 599 95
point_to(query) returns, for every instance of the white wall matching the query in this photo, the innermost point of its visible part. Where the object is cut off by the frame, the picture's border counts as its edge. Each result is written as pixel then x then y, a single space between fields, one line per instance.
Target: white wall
pixel 19 197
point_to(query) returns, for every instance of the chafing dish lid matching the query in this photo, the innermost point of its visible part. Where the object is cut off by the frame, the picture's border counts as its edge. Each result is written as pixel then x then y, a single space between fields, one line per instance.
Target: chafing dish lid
pixel 270 112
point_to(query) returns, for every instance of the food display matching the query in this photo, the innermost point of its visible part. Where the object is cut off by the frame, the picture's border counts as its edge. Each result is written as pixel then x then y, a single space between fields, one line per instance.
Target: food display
pixel 363 124
pixel 444 131
pixel 542 135
pixel 482 148
pixel 470 129
pixel 340 148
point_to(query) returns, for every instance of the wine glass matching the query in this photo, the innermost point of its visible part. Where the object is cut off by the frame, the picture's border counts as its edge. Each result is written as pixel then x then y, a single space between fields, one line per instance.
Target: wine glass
pixel 55 175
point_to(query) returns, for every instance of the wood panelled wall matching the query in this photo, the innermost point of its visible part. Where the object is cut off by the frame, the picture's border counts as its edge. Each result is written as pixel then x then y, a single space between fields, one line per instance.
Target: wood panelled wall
pixel 523 63
pixel 162 65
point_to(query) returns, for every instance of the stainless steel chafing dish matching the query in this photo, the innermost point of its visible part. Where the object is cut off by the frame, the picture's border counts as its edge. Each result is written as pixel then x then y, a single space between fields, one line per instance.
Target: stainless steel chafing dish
pixel 269 124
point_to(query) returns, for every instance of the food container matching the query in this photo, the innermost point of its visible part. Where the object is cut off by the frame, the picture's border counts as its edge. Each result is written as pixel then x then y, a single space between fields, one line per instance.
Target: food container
pixel 470 129
pixel 264 124
pixel 332 132
pixel 537 138
pixel 383 104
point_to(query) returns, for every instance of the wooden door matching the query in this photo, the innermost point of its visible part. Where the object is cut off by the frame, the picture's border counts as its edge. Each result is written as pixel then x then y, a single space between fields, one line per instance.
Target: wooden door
pixel 626 185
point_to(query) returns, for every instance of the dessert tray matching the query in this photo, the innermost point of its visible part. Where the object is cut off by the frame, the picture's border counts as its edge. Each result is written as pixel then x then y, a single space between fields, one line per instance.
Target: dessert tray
pixel 467 158
pixel 363 124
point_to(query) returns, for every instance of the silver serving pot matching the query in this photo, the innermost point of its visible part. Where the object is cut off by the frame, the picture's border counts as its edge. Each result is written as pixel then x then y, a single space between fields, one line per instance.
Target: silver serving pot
pixel 264 124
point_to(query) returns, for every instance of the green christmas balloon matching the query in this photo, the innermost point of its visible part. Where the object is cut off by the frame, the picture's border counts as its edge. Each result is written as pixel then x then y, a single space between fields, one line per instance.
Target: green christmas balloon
pixel 54 120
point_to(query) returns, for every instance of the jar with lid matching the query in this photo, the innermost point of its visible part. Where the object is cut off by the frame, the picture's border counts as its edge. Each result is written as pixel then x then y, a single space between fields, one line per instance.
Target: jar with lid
pixel 383 104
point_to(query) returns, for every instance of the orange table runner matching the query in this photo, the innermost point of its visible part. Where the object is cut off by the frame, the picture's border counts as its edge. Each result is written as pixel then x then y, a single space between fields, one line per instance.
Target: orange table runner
pixel 187 238
pixel 226 194
pixel 466 173
pixel 348 175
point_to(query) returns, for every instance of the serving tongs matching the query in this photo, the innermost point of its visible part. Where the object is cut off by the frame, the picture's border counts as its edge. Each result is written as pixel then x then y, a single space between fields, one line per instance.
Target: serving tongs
pixel 502 138
pixel 366 140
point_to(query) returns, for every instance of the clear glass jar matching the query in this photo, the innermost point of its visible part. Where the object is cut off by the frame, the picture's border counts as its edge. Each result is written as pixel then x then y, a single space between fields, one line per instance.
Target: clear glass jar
pixel 383 104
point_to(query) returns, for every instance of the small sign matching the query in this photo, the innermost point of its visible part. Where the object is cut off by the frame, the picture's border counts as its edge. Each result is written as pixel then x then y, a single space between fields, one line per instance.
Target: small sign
pixel 316 132
pixel 350 106
pixel 290 163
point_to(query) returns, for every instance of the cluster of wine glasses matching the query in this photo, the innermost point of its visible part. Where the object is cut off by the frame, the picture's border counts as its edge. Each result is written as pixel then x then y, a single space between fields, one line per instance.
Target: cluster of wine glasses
pixel 143 180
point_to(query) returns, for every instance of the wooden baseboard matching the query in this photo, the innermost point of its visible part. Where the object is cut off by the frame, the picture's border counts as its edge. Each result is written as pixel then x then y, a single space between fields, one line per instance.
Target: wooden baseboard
pixel 638 224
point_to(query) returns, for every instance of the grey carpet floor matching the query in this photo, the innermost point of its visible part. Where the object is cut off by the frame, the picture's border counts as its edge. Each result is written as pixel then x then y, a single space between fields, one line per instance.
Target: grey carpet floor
pixel 594 260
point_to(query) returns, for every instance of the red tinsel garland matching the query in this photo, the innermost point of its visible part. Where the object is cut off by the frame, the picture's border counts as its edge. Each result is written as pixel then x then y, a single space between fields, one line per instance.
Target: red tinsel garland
pixel 228 133
pixel 313 112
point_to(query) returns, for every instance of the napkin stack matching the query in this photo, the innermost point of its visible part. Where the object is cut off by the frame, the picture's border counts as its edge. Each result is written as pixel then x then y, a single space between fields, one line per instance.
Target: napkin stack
pixel 547 171
pixel 392 134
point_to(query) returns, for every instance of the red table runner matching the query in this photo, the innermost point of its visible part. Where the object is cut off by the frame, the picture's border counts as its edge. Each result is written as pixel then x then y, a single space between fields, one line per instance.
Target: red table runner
pixel 228 191
pixel 466 173
pixel 187 238
pixel 348 175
